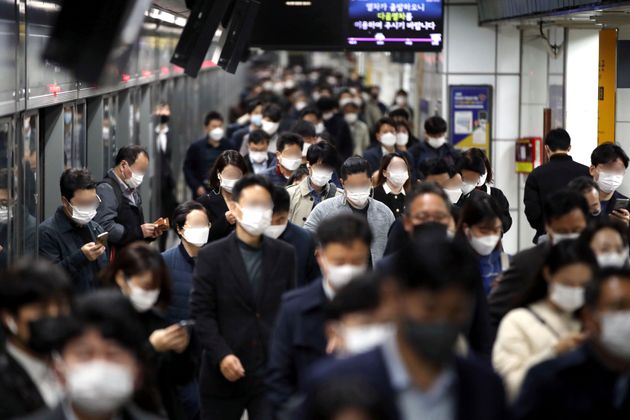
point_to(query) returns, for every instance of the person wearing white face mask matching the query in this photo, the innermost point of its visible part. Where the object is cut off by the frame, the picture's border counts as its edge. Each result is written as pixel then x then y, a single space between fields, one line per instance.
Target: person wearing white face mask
pixel 68 238
pixel 358 129
pixel 271 124
pixel 237 287
pixel 99 362
pixel 392 182
pixel 609 163
pixel 259 159
pixel 228 169
pixel 202 153
pixel 141 275
pixel 385 133
pixel 301 240
pixel 608 239
pixel 435 144
pixel 589 382
pixel 480 224
pixel 288 156
pixel 120 210
pixel 544 324
pixel 299 338
pixel 317 187
pixel 357 185
pixel 191 224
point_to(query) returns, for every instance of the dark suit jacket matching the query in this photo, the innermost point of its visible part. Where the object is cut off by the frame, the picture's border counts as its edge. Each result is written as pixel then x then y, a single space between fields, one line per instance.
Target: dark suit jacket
pixel 479 391
pixel 199 160
pixel 216 208
pixel 544 180
pixel 302 241
pixel 341 136
pixel 513 282
pixel 574 386
pixel 129 412
pixel 298 341
pixel 271 161
pixel 229 318
pixel 19 396
pixel 168 202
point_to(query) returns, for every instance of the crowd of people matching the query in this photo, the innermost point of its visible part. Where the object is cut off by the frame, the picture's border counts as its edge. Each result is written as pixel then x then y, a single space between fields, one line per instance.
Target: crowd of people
pixel 330 265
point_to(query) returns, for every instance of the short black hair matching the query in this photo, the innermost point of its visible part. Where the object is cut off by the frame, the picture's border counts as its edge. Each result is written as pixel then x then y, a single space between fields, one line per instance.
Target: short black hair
pixel 74 179
pixel 327 103
pixel 608 153
pixel 361 294
pixel 604 223
pixel 422 189
pixel 583 184
pixel 474 151
pixel 323 152
pixel 399 112
pixel 252 105
pixel 311 110
pixel 435 263
pixel 384 121
pixel 563 202
pixel 227 157
pixel 435 166
pixel 33 281
pixel 558 139
pixel 129 154
pixel 354 165
pixel 211 116
pixel 594 288
pixel 304 128
pixel 281 200
pixel 562 254
pixel 273 112
pixel 182 211
pixel 258 137
pixel 435 125
pixel 341 394
pixel 478 210
pixel 471 162
pixel 287 139
pixel 344 229
pixel 250 181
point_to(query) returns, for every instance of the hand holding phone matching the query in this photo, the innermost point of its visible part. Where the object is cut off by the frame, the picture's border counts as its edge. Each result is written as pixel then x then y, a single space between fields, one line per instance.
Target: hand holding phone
pixel 102 238
pixel 621 203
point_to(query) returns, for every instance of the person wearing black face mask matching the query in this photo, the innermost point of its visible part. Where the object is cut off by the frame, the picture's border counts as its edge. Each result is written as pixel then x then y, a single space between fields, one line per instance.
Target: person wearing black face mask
pixel 32 294
pixel 417 370
pixel 167 186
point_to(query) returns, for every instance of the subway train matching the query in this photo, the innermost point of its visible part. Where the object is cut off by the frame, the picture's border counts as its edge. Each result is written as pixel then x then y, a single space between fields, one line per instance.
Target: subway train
pixel 49 121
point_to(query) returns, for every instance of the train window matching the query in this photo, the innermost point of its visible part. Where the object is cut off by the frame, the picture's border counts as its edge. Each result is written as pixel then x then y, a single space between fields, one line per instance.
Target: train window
pixel 110 107
pixel 28 181
pixel 74 136
pixel 68 115
pixel 7 196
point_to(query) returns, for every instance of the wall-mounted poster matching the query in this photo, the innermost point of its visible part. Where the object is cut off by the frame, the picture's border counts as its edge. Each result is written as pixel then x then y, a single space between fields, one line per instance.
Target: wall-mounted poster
pixel 470 116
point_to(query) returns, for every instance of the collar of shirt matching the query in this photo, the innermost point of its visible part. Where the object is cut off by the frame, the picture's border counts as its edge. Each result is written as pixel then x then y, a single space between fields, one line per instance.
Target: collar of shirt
pixel 159 129
pixel 401 381
pixel 125 188
pixel 311 190
pixel 385 152
pixel 190 260
pixel 40 373
pixel 388 190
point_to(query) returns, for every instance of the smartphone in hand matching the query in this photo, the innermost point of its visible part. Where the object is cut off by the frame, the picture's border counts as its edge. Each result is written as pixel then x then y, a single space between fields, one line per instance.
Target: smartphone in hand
pixel 102 238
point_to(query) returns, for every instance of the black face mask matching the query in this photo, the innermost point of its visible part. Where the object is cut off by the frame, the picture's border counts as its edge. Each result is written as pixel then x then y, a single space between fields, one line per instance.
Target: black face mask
pixel 164 119
pixel 430 229
pixel 46 333
pixel 433 342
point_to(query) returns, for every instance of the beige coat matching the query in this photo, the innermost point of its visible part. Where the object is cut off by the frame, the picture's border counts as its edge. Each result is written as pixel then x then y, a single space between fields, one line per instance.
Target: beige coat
pixel 524 341
pixel 302 202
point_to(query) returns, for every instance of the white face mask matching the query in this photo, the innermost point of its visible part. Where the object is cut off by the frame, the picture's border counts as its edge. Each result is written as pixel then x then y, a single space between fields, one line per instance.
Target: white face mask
pixel 612 259
pixel 467 188
pixel 362 338
pixel 321 177
pixel 453 195
pixel 398 178
pixel 135 180
pixel 344 101
pixel 436 143
pixel 300 105
pixel 401 100
pixel 388 139
pixel 358 198
pixel 141 299
pixel 98 387
pixel 351 117
pixel 340 275
pixel 305 148
pixel 567 298
pixel 83 215
pixel 227 184
pixel 482 179
pixel 258 157
pixel 484 245
pixel 319 128
pixel 216 134
pixel 4 214
pixel 402 139
pixel 559 237
pixel 270 127
pixel 256 119
pixel 290 164
pixel 197 236
pixel 255 220
pixel 615 334
pixel 275 231
pixel 609 182
pixel 328 115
